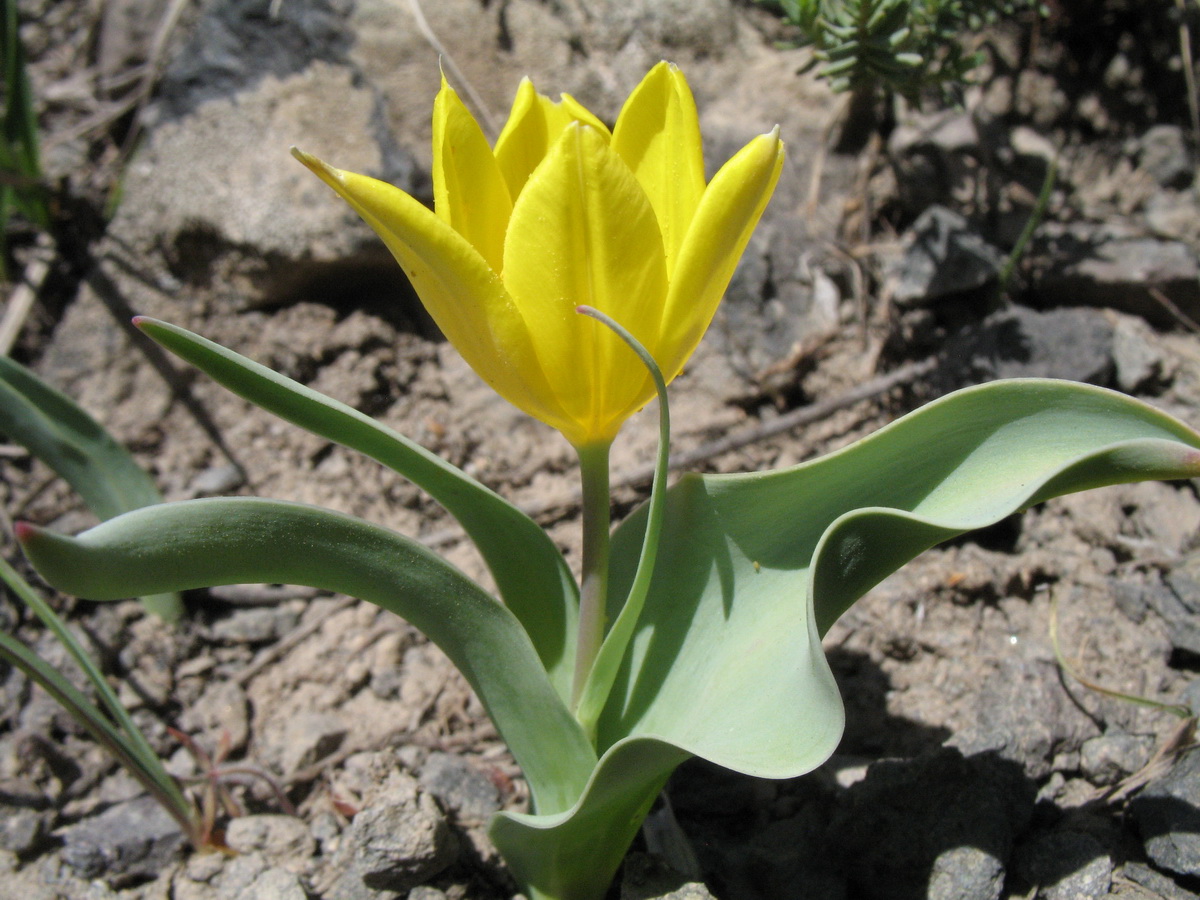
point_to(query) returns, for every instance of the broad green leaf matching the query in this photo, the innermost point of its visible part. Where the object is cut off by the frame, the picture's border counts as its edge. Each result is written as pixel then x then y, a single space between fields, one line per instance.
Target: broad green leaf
pixel 531 575
pixel 726 661
pixel 754 568
pixel 198 543
pixel 59 433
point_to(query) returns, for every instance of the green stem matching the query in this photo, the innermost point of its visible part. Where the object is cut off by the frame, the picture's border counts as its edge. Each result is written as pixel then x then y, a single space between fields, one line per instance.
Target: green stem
pixel 593 593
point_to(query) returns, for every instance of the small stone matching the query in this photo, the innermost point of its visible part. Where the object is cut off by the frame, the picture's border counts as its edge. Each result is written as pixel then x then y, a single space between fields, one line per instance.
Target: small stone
pixel 1163 154
pixel 943 256
pixel 1172 215
pixel 246 876
pixel 132 840
pixel 204 867
pixel 463 791
pixel 1066 865
pixel 326 830
pixel 1025 715
pixel 1179 603
pixel 308 738
pixel 221 709
pixel 22 830
pixel 272 882
pixel 1116 267
pixel 425 892
pixel 1110 757
pixel 1020 342
pixel 1167 814
pixel 1159 885
pixel 1139 364
pixel 934 156
pixel 1034 154
pixel 962 869
pixel 285 840
pixel 400 841
pixel 216 480
pixel 646 877
pixel 255 626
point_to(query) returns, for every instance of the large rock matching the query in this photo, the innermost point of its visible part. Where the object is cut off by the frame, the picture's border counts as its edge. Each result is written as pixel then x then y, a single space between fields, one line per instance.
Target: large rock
pixel 1167 814
pixel 133 840
pixel 940 826
pixel 1108 265
pixel 1020 342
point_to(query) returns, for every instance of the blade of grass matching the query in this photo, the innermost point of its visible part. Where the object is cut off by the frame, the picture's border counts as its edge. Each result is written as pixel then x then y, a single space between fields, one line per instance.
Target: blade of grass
pixel 59 629
pixel 147 769
pixel 1070 669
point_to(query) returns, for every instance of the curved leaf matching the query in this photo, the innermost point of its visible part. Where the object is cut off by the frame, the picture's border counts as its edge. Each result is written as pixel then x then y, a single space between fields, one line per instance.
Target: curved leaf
pixel 755 568
pixel 61 434
pixel 209 542
pixel 726 661
pixel 530 573
pixel 574 855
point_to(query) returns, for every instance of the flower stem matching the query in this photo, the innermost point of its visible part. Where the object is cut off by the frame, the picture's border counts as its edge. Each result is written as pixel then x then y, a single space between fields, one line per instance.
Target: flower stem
pixel 593 587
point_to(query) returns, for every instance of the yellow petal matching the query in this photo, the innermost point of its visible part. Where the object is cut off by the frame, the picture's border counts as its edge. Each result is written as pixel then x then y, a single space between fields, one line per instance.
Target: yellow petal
pixel 728 211
pixel 469 193
pixel 580 113
pixel 462 294
pixel 658 136
pixel 583 232
pixel 534 123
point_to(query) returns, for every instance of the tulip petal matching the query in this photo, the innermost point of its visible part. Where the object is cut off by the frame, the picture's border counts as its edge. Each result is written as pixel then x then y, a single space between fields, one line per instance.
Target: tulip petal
pixel 580 113
pixel 730 208
pixel 583 232
pixel 469 193
pixel 462 294
pixel 658 136
pixel 534 123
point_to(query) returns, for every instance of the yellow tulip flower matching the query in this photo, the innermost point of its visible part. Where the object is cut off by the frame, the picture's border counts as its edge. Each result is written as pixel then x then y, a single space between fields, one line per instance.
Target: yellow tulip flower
pixel 563 213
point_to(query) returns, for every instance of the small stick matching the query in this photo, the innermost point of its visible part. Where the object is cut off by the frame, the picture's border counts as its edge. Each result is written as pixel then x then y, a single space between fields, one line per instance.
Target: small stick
pixel 1173 308
pixel 24 294
pixel 426 32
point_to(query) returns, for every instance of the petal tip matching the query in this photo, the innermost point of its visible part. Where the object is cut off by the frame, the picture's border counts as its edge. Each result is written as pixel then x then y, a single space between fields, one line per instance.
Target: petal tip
pixel 318 167
pixel 309 160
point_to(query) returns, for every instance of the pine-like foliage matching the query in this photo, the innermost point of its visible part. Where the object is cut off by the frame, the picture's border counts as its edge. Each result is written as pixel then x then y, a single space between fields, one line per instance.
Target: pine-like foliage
pixel 906 46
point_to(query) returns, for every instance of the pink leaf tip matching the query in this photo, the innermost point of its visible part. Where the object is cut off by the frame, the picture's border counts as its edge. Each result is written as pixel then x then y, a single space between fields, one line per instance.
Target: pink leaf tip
pixel 25 531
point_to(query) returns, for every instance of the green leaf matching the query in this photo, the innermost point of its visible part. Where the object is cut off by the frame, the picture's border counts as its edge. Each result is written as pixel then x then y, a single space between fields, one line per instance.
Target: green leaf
pixel 574 855
pixel 726 661
pixel 530 573
pixel 59 433
pixel 196 543
pixel 754 568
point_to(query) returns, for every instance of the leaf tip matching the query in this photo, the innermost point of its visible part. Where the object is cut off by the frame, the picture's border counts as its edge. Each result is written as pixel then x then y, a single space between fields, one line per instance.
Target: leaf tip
pixel 25 532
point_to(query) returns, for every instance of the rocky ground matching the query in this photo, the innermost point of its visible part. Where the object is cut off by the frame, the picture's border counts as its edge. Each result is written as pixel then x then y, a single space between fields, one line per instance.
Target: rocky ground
pixel 972 766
